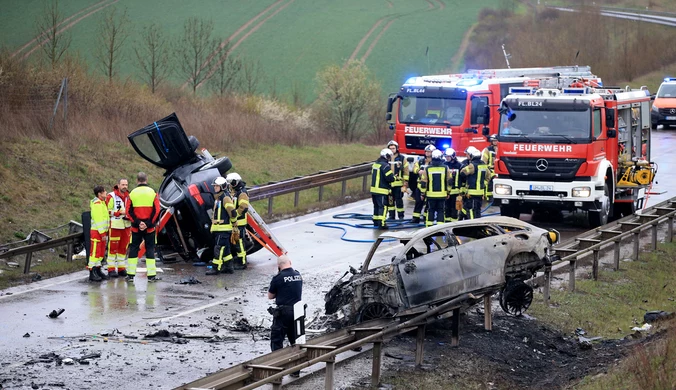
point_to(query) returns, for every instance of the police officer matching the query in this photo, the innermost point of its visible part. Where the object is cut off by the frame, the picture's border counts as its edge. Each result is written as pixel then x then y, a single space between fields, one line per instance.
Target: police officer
pixel 286 288
pixel 434 184
pixel 474 177
pixel 237 189
pixel 451 211
pixel 223 219
pixel 381 181
pixel 488 156
pixel 417 192
pixel 400 183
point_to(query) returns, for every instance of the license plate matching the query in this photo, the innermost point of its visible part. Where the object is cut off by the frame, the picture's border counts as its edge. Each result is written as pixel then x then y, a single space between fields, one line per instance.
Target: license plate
pixel 542 188
pixel 671 118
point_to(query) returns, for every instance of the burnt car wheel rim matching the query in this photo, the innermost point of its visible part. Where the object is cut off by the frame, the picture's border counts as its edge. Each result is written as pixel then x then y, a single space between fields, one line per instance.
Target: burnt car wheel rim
pixel 516 298
pixel 374 311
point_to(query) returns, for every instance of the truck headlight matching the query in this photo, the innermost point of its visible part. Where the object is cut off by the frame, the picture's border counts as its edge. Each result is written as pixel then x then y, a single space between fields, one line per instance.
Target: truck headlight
pixel 581 192
pixel 502 189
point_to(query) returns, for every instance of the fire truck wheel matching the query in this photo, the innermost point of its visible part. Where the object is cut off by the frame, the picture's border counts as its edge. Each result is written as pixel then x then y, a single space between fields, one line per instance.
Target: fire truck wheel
pixel 600 218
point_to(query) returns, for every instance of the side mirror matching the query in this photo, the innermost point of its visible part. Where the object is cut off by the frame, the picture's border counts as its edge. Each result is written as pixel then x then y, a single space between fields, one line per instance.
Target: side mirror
pixel 610 117
pixel 388 116
pixel 487 115
pixel 612 133
pixel 485 131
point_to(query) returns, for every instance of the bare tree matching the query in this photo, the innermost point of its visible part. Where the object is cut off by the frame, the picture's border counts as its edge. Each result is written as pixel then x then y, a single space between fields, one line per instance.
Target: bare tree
pixel 112 33
pixel 346 98
pixel 251 76
pixel 195 50
pixel 53 42
pixel 152 56
pixel 225 78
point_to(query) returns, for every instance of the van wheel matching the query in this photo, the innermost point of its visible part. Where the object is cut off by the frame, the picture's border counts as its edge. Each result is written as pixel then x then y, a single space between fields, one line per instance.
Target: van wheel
pixel 600 218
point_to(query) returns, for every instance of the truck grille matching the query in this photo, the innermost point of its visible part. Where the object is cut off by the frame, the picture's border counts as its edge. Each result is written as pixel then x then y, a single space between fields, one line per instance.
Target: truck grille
pixel 539 169
pixel 668 111
pixel 543 193
pixel 419 142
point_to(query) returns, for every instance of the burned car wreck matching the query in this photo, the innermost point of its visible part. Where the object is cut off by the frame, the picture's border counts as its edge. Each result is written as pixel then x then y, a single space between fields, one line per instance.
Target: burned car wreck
pixel 436 264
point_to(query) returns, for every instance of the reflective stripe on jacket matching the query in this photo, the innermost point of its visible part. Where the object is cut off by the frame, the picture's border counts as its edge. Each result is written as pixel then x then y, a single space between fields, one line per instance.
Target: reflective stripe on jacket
pixel 99 216
pixel 381 177
pixel 143 205
pixel 241 205
pixel 116 203
pixel 435 179
pixel 224 214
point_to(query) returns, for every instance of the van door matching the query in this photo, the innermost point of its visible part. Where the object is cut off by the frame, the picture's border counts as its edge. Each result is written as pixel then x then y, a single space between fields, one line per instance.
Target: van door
pixel 163 143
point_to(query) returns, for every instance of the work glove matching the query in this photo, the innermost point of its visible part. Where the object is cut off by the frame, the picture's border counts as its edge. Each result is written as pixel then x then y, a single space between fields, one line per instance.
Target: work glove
pixel 234 237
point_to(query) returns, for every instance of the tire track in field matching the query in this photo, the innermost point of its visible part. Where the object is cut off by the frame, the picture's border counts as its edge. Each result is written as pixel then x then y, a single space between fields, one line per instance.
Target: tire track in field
pixel 389 4
pixel 24 47
pixel 364 39
pixel 233 35
pixel 68 26
pixel 376 39
pixel 430 5
pixel 225 55
pixel 457 57
pixel 442 5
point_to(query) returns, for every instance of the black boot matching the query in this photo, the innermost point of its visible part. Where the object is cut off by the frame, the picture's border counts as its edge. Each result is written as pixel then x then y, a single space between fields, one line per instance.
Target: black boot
pixel 415 220
pixel 93 276
pixel 122 273
pixel 213 270
pixel 99 272
pixel 239 265
pixel 113 274
pixel 227 268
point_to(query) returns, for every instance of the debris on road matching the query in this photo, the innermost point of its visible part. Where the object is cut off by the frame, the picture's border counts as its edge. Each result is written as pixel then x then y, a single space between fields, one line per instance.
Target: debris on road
pixel 56 313
pixel 27 335
pixel 189 280
pixel 656 315
pixel 646 327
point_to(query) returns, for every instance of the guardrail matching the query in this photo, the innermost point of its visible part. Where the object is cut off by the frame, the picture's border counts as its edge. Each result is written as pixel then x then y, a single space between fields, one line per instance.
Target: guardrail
pixel 595 240
pixel 295 185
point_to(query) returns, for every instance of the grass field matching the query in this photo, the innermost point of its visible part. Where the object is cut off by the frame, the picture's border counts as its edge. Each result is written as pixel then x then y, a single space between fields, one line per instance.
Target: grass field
pixel 293 39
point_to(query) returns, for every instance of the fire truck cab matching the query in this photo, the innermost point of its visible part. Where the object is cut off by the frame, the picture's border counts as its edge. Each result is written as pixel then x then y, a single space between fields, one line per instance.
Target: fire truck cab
pixel 580 147
pixel 455 110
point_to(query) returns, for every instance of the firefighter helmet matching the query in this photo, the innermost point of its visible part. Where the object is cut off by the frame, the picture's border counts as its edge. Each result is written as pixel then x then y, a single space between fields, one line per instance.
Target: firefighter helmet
pixel 387 153
pixel 430 148
pixel 393 142
pixel 233 179
pixel 219 181
pixel 492 138
pixel 437 155
pixel 472 152
pixel 450 152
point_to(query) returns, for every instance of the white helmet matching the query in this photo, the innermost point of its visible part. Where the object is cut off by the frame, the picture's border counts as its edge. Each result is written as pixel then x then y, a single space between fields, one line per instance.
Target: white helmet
pixel 430 148
pixel 387 153
pixel 450 152
pixel 233 179
pixel 393 142
pixel 219 181
pixel 437 155
pixel 472 152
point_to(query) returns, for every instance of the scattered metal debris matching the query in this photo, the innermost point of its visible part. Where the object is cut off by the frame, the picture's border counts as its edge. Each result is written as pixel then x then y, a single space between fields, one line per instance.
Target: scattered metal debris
pixel 27 335
pixel 189 280
pixel 56 313
pixel 656 315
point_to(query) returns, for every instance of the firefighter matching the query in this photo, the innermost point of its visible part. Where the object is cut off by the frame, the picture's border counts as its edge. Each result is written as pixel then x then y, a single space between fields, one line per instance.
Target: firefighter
pixel 451 210
pixel 98 234
pixel 224 218
pixel 474 177
pixel 120 229
pixel 488 157
pixel 286 288
pixel 434 184
pixel 143 210
pixel 238 192
pixel 400 183
pixel 417 193
pixel 381 181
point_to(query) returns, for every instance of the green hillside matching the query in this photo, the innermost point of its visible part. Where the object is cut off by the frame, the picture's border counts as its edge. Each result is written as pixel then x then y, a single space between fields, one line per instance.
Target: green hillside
pixel 292 39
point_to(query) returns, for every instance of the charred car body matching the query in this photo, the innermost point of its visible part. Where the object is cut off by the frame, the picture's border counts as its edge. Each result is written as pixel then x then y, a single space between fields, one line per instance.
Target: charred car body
pixel 186 189
pixel 442 262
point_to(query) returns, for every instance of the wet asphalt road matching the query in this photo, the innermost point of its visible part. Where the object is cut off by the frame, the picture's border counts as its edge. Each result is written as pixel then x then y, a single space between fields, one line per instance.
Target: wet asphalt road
pixel 118 308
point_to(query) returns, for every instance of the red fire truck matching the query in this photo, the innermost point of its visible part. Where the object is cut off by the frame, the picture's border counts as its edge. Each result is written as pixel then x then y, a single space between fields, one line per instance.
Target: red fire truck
pixel 448 110
pixel 582 147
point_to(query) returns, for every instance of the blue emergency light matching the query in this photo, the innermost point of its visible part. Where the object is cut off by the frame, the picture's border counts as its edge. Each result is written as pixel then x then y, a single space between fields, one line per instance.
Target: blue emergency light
pixel 445 146
pixel 670 79
pixel 574 91
pixel 522 91
pixel 469 82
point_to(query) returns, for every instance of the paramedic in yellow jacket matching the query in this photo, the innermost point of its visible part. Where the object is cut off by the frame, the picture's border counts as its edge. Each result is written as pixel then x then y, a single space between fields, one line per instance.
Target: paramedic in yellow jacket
pixel 239 194
pixel 98 234
pixel 120 229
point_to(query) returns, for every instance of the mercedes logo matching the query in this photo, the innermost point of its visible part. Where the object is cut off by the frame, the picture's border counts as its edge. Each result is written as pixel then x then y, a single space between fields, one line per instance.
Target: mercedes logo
pixel 541 165
pixel 672 111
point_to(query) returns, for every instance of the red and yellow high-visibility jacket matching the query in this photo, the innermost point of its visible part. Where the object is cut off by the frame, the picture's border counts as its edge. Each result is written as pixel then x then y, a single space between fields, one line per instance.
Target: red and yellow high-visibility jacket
pixel 143 205
pixel 99 217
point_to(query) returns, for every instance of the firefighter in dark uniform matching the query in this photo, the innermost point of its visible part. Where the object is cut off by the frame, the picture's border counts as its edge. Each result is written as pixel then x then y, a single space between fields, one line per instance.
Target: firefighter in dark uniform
pixel 474 176
pixel 224 217
pixel 400 183
pixel 435 183
pixel 238 192
pixel 381 181
pixel 417 192
pixel 286 288
pixel 451 211
pixel 488 156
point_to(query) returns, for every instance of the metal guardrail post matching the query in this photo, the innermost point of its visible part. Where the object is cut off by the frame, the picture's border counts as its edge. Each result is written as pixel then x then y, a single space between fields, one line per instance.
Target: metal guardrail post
pixel 270 205
pixel 571 275
pixel 548 282
pixel 419 345
pixel 488 315
pixel 455 324
pixel 595 265
pixel 636 245
pixel 375 370
pixel 653 229
pixel 670 229
pixel 29 256
pixel 364 186
pixel 328 376
pixel 343 189
pixel 617 245
pixel 296 198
